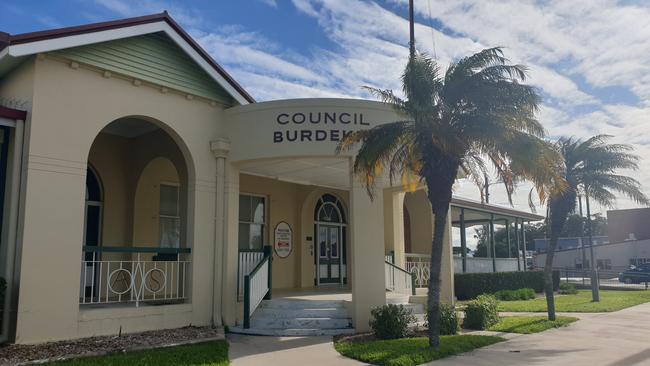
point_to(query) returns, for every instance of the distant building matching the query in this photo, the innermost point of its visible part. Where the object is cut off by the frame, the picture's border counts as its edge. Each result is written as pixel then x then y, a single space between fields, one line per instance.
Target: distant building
pixel 631 224
pixel 541 245
pixel 609 256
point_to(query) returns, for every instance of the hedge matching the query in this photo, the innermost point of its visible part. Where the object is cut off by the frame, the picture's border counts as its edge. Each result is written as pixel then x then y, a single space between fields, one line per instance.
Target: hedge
pixel 469 285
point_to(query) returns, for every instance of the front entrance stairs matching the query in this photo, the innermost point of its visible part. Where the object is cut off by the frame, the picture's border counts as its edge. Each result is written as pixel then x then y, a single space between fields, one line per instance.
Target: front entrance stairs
pixel 294 317
pixel 326 315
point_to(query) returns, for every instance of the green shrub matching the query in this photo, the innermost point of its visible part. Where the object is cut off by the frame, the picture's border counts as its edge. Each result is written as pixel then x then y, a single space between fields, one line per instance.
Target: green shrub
pixel 449 320
pixel 481 313
pixel 567 289
pixel 514 295
pixel 469 285
pixel 390 321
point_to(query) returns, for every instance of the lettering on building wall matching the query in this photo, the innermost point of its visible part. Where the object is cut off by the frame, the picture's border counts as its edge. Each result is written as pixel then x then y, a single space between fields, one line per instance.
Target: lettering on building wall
pixel 317 126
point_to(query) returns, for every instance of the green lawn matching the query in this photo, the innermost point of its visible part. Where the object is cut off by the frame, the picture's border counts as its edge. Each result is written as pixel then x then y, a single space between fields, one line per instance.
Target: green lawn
pixel 204 354
pixel 530 324
pixel 411 351
pixel 581 303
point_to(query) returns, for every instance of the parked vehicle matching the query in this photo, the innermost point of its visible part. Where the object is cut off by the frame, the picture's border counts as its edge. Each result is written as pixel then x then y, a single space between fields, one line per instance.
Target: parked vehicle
pixel 636 274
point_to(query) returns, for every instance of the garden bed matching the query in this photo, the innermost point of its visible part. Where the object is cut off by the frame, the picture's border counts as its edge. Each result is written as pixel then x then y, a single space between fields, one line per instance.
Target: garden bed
pixel 21 354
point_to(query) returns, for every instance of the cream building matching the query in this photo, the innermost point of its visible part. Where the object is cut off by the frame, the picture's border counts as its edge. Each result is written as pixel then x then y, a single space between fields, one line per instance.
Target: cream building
pixel 141 184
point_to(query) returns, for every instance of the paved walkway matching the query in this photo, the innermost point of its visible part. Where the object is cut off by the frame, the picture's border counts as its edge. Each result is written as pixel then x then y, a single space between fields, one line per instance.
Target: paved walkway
pixel 609 339
pixel 284 351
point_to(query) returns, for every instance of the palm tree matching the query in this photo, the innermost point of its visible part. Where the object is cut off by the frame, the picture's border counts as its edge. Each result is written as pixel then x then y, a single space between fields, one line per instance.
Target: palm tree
pixel 476 115
pixel 589 168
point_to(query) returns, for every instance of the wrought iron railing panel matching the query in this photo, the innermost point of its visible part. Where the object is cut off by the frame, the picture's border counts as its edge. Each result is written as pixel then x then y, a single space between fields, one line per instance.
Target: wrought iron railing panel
pixel 136 277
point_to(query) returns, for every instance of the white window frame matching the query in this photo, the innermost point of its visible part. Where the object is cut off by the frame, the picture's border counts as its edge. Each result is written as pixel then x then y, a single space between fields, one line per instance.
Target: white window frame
pixel 178 210
pixel 264 224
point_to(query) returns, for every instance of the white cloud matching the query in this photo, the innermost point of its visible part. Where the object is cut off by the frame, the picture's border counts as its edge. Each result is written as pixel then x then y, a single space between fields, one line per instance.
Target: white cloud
pixel 271 3
pixel 574 49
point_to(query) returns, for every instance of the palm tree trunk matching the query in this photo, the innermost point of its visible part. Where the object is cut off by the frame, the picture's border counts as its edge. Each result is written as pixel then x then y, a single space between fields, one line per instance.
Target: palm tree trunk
pixel 548 276
pixel 433 300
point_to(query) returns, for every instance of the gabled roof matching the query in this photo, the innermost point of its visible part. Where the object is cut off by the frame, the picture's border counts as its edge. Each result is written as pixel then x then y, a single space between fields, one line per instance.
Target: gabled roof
pixel 20 45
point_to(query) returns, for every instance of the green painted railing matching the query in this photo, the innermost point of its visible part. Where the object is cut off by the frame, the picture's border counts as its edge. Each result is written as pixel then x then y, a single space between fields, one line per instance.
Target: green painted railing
pixel 257 286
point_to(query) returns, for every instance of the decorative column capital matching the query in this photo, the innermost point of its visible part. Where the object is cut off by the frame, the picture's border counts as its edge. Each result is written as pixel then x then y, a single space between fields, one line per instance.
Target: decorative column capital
pixel 220 147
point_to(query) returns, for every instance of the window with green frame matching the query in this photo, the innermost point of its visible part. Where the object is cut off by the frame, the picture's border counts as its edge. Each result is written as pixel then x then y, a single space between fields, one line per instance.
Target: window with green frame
pixel 252 221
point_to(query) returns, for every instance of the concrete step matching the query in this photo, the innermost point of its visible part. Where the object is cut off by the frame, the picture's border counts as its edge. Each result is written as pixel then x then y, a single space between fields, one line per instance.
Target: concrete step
pixel 414 308
pixel 291 332
pixel 301 304
pixel 299 323
pixel 397 299
pixel 280 313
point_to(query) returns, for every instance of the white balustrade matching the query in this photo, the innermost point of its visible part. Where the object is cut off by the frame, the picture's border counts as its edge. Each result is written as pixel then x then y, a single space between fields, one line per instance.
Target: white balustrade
pixel 105 281
pixel 259 286
pixel 419 266
pixel 397 279
pixel 248 260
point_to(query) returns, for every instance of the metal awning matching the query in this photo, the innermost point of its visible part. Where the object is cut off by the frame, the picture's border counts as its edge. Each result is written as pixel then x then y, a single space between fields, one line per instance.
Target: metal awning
pixel 477 213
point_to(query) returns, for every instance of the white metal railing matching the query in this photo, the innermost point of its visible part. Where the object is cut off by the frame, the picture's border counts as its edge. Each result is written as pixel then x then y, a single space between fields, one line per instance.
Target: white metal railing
pixel 482 265
pixel 136 280
pixel 398 279
pixel 248 260
pixel 257 285
pixel 419 266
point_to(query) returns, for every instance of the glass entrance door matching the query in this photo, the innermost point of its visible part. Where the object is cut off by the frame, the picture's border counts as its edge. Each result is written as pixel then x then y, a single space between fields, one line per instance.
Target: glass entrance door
pixel 329 254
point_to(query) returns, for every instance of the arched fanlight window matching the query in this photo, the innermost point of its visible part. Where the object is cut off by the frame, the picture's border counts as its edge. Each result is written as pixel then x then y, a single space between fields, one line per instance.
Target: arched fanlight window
pixel 329 209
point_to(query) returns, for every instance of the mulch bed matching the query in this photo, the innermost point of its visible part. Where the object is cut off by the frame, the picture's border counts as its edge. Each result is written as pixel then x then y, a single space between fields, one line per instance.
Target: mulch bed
pixel 17 354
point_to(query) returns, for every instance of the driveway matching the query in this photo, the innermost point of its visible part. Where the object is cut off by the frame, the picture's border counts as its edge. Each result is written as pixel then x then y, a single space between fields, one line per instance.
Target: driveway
pixel 609 339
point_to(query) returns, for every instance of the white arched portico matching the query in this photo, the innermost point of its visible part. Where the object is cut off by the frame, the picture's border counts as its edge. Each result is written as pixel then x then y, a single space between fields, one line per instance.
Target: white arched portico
pixel 292 144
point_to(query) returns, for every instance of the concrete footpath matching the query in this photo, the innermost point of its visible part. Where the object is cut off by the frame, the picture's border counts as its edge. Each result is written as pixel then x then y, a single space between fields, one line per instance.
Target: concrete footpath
pixel 621 338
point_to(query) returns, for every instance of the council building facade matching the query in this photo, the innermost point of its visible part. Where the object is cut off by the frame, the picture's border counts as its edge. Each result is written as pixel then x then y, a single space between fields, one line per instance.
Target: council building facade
pixel 143 188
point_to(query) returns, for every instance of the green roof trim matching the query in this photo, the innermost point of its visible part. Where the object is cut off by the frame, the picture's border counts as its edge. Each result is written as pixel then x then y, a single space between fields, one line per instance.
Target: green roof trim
pixel 153 58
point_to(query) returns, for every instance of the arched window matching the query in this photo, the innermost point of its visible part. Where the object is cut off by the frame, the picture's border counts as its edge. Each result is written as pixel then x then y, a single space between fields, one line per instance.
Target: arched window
pixel 93 222
pixel 329 209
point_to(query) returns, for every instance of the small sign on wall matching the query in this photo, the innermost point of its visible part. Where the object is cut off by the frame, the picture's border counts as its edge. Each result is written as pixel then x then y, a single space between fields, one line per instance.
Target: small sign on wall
pixel 283 240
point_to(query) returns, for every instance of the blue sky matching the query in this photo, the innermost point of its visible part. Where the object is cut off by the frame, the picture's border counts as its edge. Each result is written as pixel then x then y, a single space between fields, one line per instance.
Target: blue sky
pixel 590 59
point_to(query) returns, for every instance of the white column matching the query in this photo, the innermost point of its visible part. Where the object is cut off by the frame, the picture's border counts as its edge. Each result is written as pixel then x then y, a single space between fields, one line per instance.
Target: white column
pixel 367 254
pixel 394 224
pixel 230 306
pixel 220 148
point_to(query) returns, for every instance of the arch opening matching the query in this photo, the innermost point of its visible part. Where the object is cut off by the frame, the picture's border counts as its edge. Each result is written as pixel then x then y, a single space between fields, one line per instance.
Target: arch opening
pixel 136 244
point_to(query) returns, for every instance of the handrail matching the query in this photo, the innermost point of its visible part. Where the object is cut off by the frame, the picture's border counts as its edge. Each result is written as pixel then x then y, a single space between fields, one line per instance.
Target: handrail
pixel 397 267
pixel 251 288
pixel 406 274
pixel 98 249
pixel 257 267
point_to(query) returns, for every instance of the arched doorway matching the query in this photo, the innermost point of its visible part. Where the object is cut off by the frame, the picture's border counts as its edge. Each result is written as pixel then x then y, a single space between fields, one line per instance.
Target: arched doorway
pixel 330 229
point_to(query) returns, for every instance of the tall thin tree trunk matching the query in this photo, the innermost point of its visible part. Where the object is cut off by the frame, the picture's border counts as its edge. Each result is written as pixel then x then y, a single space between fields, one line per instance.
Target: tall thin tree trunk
pixel 433 303
pixel 548 276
